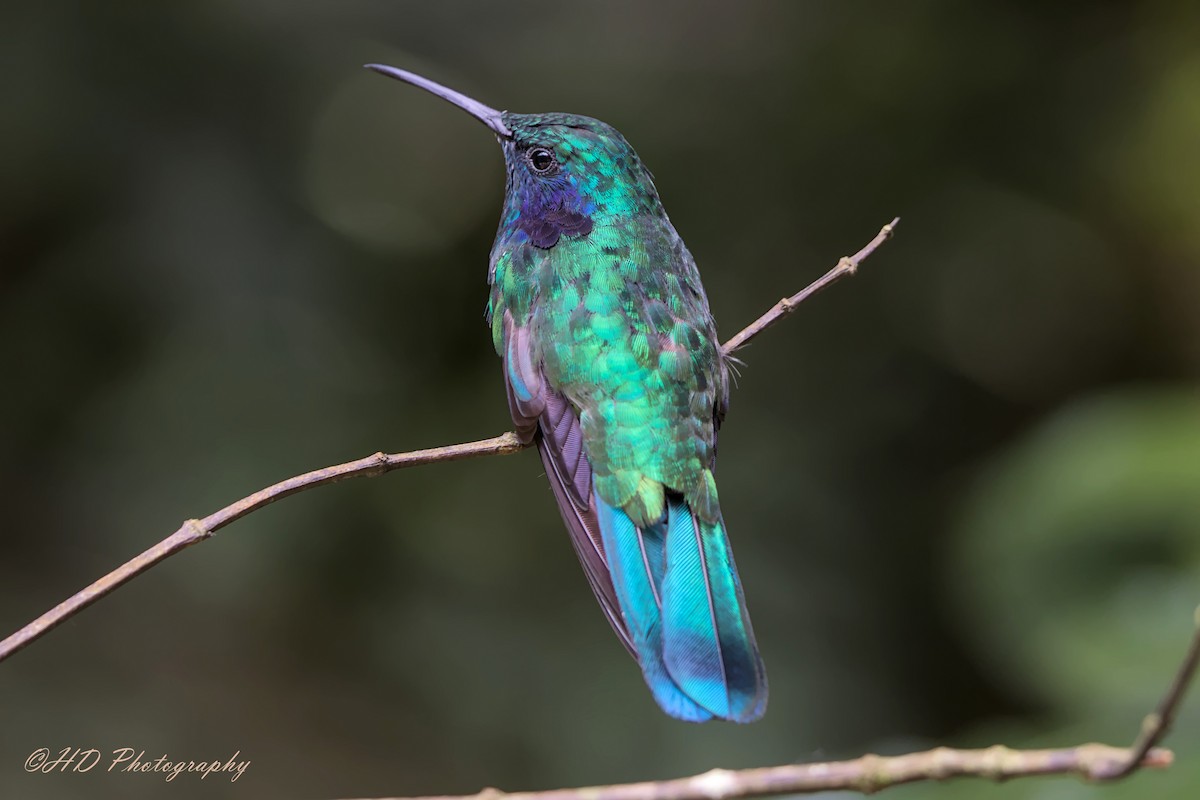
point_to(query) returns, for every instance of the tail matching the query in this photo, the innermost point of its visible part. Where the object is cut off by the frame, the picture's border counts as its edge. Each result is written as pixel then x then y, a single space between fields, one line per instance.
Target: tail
pixel 682 604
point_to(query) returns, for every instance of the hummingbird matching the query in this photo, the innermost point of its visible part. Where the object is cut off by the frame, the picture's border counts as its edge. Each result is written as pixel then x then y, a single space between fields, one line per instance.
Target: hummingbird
pixel 612 366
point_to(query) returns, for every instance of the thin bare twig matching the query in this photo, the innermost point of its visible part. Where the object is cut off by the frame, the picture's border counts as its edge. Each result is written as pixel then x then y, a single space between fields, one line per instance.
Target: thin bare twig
pixel 871 773
pixel 194 530
pixel 197 530
pixel 847 266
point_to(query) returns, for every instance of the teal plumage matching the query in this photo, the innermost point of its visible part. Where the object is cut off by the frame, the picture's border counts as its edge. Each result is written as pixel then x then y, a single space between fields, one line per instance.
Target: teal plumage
pixel 613 367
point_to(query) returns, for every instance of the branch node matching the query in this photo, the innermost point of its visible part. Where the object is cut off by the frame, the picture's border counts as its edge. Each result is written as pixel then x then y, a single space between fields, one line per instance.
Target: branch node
pixel 994 763
pixel 942 763
pixel 873 775
pixel 196 530
pixel 381 466
pixel 716 783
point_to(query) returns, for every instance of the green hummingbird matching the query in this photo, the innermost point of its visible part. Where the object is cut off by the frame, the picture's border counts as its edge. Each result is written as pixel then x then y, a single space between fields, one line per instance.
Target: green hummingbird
pixel 613 367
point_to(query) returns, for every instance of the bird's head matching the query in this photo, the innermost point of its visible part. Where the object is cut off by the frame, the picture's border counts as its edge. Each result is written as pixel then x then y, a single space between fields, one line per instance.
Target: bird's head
pixel 566 172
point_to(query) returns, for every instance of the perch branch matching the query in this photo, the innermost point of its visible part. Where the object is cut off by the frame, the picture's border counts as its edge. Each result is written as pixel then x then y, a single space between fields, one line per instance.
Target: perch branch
pixel 871 773
pixel 194 530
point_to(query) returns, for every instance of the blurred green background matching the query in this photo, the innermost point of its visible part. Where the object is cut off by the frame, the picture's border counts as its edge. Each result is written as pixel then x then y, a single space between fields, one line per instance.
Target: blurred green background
pixel 964 487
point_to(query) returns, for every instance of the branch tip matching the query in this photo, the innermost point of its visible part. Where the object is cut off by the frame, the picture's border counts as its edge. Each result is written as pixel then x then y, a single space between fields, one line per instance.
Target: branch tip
pixel 847 265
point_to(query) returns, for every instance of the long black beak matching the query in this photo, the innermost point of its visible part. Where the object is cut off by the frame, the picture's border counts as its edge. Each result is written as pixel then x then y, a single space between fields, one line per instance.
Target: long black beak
pixel 485 114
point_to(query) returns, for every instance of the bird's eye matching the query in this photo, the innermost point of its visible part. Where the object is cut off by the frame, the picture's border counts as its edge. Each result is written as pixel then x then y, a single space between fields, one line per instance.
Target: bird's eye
pixel 541 160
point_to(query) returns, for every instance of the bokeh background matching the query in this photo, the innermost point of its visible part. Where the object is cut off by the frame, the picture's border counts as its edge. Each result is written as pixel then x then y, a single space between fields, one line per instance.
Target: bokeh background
pixel 964 487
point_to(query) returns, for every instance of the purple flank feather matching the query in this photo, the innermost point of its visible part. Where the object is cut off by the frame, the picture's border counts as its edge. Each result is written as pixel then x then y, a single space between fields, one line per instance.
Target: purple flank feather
pixel 585 538
pixel 523 381
pixel 561 431
pixel 560 443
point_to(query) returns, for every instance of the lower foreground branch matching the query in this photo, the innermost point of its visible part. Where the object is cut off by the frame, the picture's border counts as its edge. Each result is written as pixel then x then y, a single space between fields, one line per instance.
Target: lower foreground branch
pixel 870 773
pixel 866 774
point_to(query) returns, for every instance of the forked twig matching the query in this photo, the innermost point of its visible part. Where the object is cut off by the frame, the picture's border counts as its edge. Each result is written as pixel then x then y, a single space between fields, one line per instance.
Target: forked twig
pixel 1156 724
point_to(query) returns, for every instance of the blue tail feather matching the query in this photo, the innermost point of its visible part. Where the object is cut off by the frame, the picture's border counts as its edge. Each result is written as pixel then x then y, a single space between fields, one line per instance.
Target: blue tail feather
pixel 635 561
pixel 682 602
pixel 708 644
